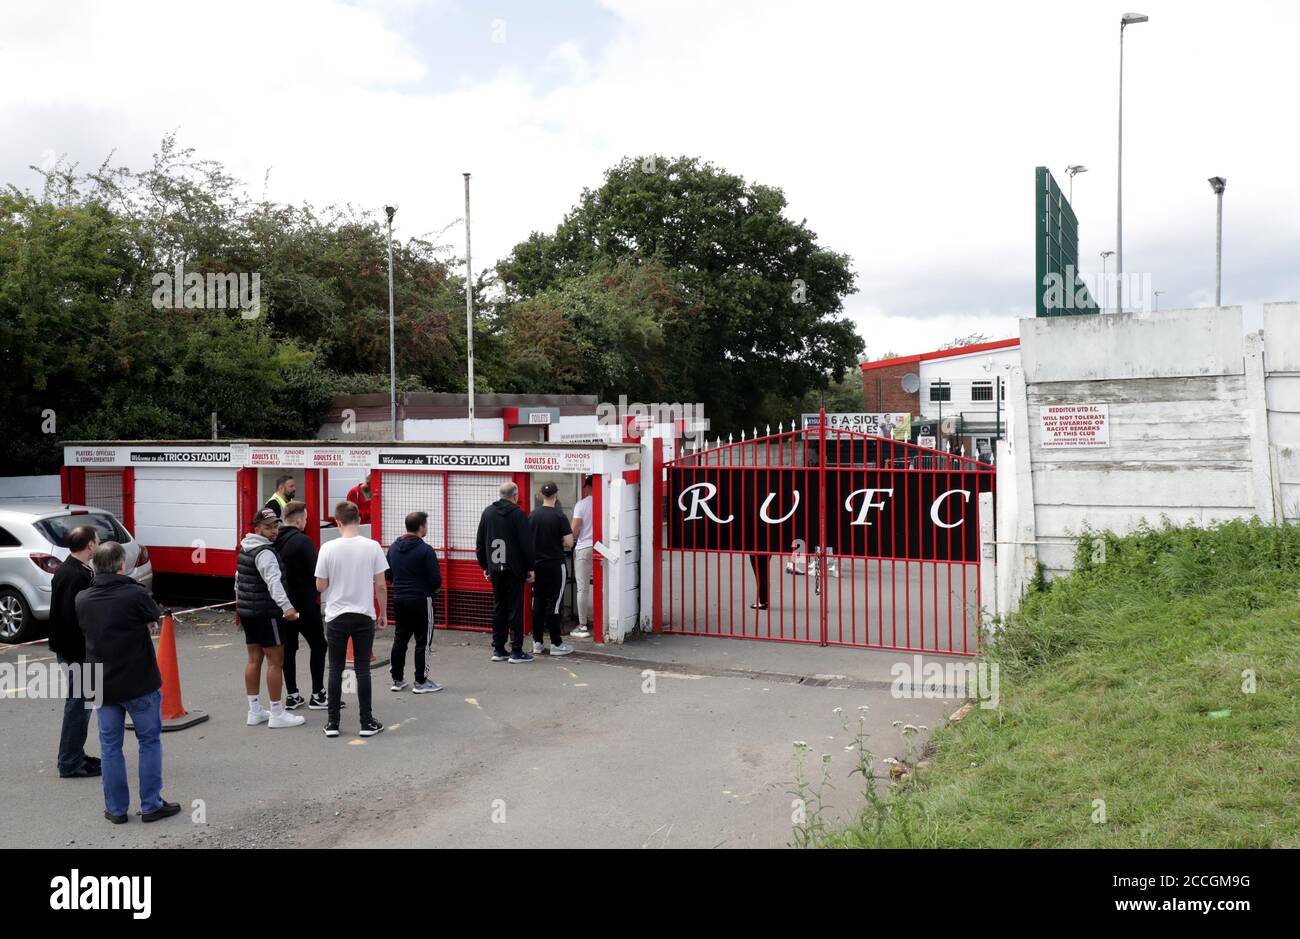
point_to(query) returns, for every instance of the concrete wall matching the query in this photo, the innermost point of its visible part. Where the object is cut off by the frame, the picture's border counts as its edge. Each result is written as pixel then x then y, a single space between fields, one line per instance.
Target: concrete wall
pixel 1282 392
pixel 29 489
pixel 1204 426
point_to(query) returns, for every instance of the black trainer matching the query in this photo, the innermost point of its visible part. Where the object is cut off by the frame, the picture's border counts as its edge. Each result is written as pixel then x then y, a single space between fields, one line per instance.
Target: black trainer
pixel 294 701
pixel 498 656
pixel 331 728
pixel 517 658
pixel 371 727
pixel 116 819
pixel 318 702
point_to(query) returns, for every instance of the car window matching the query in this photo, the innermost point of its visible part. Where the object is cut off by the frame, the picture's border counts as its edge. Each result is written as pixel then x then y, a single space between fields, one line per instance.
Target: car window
pixel 56 529
pixel 7 540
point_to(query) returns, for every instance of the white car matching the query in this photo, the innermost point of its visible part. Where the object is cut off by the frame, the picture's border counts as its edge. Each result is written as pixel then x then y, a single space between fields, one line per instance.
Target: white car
pixel 33 543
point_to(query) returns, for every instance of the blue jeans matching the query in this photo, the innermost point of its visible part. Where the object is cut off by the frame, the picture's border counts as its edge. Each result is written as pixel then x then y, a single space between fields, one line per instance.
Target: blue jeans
pixel 146 713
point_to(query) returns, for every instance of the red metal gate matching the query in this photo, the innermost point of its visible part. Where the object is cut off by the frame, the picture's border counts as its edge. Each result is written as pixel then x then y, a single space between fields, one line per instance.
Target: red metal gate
pixel 856 540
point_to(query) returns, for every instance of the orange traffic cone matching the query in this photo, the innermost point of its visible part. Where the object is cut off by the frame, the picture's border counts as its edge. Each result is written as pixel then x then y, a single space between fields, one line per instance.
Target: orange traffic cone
pixel 174 715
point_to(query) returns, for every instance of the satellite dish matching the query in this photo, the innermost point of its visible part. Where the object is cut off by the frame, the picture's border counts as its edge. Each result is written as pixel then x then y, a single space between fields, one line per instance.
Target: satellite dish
pixel 949 426
pixel 911 383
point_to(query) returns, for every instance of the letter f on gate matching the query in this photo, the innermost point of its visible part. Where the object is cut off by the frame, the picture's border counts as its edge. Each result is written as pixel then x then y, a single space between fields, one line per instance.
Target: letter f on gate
pixel 700 502
pixel 867 504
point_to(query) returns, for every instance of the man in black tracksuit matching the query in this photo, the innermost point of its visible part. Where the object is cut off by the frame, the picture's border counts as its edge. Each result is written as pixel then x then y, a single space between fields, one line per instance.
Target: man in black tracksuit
pixel 505 552
pixel 297 553
pixel 413 572
pixel 551 535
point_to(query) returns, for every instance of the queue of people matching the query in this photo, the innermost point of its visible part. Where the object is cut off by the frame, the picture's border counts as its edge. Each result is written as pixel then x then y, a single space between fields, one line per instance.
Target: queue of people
pixel 286 590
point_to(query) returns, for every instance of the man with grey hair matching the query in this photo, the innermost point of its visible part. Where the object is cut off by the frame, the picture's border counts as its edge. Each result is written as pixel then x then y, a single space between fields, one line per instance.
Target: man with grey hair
pixel 117 615
pixel 504 549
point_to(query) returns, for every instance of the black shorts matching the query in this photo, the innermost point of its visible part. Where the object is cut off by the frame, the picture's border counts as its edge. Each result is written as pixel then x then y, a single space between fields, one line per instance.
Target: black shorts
pixel 262 631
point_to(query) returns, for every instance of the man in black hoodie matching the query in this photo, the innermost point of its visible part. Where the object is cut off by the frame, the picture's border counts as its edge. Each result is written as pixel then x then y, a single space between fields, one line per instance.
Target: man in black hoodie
pixel 413 572
pixel 505 552
pixel 69 644
pixel 297 555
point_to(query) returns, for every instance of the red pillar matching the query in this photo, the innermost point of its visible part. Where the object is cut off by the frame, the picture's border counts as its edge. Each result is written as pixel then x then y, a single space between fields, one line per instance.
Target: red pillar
pixel 657 534
pixel 597 568
pixel 311 496
pixel 128 499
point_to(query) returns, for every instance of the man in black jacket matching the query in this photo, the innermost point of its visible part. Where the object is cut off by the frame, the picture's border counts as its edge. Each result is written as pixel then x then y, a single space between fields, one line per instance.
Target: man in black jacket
pixel 69 645
pixel 413 572
pixel 552 534
pixel 116 614
pixel 505 552
pixel 297 555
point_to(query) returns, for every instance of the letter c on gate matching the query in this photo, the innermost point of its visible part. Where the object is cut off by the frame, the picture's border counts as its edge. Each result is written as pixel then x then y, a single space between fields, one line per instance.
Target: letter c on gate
pixel 934 508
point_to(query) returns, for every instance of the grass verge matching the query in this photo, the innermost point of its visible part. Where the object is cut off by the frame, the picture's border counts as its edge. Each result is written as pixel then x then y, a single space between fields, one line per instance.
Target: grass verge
pixel 1107 676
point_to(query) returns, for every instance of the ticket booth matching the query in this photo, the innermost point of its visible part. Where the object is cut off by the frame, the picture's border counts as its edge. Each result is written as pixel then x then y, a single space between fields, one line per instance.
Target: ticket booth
pixel 189 503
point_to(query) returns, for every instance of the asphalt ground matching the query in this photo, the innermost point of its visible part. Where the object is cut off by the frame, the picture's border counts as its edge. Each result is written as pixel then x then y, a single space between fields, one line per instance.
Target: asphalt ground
pixel 666 741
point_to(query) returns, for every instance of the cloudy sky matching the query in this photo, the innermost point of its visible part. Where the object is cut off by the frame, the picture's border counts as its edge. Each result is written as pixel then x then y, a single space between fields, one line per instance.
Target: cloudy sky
pixel 906 134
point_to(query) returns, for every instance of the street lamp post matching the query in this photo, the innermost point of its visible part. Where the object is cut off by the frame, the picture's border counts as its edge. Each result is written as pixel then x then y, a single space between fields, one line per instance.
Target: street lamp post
pixel 469 312
pixel 1157 299
pixel 1105 284
pixel 1072 171
pixel 390 211
pixel 1125 20
pixel 1218 184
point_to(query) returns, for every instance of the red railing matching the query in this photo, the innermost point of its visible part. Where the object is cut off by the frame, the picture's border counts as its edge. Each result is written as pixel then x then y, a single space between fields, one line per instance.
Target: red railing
pixel 875 542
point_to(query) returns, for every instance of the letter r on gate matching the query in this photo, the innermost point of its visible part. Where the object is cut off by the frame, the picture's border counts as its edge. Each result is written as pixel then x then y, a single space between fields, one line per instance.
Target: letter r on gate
pixel 700 502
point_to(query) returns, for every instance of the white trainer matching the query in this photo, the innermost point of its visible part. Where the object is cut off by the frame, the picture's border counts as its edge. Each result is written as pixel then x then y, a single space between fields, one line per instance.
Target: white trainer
pixel 260 716
pixel 562 649
pixel 538 648
pixel 582 632
pixel 285 720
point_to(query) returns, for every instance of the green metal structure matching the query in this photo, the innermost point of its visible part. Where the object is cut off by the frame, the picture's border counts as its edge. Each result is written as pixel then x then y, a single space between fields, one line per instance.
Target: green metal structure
pixel 1058 289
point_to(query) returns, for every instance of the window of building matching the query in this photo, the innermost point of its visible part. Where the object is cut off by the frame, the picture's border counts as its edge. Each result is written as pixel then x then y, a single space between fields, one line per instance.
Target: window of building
pixel 940 391
pixel 981 391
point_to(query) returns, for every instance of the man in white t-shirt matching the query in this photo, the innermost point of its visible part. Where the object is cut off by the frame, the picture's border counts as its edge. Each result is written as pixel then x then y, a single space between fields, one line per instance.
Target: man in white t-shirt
pixel 349 574
pixel 582 527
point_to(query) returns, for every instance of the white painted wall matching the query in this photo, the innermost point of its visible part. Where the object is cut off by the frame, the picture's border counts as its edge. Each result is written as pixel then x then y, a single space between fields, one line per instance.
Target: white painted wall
pixel 449 429
pixel 1282 392
pixel 177 505
pixel 29 489
pixel 960 371
pixel 1204 427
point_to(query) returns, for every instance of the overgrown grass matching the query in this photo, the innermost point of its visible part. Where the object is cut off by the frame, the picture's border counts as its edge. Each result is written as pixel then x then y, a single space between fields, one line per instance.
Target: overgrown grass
pixel 1106 680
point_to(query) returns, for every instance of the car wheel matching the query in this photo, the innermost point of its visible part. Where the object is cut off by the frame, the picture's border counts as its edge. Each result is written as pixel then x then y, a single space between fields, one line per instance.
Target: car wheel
pixel 16 620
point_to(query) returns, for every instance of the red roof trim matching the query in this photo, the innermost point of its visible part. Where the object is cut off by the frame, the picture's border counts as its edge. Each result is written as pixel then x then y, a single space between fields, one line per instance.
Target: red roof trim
pixel 942 353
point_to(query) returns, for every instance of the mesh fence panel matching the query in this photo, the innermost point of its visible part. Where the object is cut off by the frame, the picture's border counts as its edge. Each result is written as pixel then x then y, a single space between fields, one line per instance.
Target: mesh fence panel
pixel 104 490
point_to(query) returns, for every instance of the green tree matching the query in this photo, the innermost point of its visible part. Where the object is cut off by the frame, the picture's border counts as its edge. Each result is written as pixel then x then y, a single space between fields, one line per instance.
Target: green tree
pixel 760 298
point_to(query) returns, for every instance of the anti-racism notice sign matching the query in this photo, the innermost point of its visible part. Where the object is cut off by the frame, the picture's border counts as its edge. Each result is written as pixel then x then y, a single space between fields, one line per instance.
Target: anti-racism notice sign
pixel 929 516
pixel 1075 425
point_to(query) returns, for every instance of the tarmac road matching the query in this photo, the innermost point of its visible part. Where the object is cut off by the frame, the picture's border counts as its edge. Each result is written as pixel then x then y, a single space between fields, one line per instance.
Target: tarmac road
pixel 572 752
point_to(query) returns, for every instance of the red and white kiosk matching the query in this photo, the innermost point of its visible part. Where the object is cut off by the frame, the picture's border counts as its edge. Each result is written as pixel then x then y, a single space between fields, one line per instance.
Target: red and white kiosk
pixel 188 501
